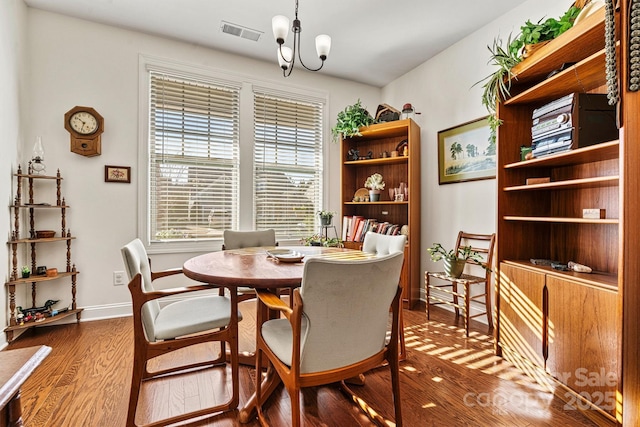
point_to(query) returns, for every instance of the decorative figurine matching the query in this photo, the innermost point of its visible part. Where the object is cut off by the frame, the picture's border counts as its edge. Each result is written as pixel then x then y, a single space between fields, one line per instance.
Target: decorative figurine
pixel 29 313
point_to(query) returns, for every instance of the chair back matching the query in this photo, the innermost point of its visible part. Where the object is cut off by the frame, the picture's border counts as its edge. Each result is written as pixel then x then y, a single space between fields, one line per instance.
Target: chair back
pixel 136 261
pixel 248 239
pixel 382 244
pixel 481 243
pixel 346 304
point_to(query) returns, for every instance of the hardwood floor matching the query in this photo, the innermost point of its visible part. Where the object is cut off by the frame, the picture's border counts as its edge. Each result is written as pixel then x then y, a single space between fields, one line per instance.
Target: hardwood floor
pixel 447 380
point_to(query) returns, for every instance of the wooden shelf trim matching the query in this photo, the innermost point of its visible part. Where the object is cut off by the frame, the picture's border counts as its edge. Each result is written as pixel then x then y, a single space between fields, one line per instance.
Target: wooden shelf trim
pixel 384 130
pixel 603 151
pixel 600 181
pixel 48 239
pixel 385 202
pixel 583 39
pixel 599 280
pixel 378 161
pixel 24 175
pixel 32 279
pixel 47 320
pixel 42 206
pixel 581 77
pixel 561 219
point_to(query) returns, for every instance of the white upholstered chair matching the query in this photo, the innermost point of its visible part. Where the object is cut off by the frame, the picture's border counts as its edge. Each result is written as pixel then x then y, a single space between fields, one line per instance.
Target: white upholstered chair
pixel 335 330
pixel 161 329
pixel 247 239
pixel 381 244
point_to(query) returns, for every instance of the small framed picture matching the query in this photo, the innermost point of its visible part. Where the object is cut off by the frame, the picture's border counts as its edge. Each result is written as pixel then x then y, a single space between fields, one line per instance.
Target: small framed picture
pixel 117 174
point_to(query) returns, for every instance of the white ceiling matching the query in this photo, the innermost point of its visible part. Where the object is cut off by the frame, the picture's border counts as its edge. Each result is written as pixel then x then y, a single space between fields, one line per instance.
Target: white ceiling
pixel 373 41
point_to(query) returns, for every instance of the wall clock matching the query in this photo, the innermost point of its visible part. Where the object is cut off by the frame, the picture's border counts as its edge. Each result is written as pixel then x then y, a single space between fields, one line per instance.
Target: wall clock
pixel 85 126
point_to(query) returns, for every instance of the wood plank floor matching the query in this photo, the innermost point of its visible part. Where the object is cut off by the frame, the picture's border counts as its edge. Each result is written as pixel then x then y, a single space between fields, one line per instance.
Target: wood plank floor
pixel 447 380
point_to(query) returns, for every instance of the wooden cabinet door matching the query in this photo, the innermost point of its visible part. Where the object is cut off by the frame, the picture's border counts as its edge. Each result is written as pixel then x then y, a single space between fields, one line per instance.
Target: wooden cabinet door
pixel 582 343
pixel 521 314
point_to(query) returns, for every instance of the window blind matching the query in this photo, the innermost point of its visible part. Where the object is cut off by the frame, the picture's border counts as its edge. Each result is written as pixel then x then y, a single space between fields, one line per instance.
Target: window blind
pixel 193 158
pixel 287 164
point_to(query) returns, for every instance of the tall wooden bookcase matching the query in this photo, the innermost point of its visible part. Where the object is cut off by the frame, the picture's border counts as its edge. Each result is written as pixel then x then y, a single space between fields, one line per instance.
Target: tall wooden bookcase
pixel 377 139
pixel 578 333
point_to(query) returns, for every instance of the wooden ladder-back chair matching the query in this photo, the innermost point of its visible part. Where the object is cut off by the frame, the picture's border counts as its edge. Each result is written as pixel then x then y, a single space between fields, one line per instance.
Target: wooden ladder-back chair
pixel 160 329
pixel 483 245
pixel 381 245
pixel 335 331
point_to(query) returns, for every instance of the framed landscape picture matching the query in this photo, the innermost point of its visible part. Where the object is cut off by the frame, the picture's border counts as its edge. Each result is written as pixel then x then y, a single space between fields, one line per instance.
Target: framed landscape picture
pixel 466 153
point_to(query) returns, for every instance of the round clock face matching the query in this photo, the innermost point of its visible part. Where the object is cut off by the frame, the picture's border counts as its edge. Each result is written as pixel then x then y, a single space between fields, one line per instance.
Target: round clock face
pixel 83 122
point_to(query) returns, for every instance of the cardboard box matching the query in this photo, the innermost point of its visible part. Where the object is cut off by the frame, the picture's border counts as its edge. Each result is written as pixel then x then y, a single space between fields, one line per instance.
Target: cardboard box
pixel 531 181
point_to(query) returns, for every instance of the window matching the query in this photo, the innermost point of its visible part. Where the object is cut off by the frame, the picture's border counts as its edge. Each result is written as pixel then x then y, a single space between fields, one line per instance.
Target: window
pixel 225 152
pixel 193 158
pixel 287 164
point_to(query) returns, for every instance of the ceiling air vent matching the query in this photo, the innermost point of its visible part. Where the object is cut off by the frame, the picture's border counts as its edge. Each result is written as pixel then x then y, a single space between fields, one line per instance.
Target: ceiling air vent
pixel 239 31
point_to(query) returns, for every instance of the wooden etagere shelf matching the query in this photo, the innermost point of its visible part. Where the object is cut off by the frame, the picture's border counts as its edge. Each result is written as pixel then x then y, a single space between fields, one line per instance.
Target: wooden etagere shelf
pixel 376 140
pixel 547 318
pixel 68 271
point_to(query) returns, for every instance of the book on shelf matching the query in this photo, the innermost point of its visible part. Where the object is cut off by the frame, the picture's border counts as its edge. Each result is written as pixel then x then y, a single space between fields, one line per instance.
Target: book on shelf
pixel 345 226
pixel 354 228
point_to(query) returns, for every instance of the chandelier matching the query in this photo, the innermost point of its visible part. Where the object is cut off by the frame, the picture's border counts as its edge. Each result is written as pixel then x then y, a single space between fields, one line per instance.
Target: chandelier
pixel 286 55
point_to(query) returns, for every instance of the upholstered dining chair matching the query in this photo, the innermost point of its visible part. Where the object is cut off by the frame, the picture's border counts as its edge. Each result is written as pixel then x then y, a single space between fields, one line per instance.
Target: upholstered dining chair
pixel 382 244
pixel 160 329
pixel 233 239
pixel 335 330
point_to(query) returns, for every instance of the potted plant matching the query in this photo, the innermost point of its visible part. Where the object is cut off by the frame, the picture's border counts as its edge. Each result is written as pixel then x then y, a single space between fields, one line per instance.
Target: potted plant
pixel 350 120
pixel 326 217
pixel 26 272
pixel 318 240
pixel 375 184
pixel 497 85
pixel 453 261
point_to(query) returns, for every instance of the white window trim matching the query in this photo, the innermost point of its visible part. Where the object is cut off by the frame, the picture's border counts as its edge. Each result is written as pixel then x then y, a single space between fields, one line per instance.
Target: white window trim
pixel 246 218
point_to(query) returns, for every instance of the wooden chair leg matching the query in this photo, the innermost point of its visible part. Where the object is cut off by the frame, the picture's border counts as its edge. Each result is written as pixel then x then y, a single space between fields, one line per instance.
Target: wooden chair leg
pixel 294 396
pixel 454 286
pixel 403 350
pixel 467 305
pixel 137 374
pixel 395 386
pixel 426 289
pixel 487 303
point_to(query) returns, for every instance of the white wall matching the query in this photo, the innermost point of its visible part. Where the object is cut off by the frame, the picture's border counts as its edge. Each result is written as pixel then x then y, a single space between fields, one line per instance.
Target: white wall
pixel 443 90
pixel 13 14
pixel 75 62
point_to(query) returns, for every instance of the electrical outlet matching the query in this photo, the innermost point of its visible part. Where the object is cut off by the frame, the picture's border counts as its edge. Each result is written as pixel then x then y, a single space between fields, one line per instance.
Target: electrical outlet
pixel 118 278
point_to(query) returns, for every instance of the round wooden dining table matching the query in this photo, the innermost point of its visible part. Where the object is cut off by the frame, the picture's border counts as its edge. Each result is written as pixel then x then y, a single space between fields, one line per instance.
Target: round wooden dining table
pixel 253 267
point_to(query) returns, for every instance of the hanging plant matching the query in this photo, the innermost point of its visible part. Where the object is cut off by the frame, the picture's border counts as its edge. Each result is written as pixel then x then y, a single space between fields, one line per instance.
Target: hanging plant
pixel 497 85
pixel 350 120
